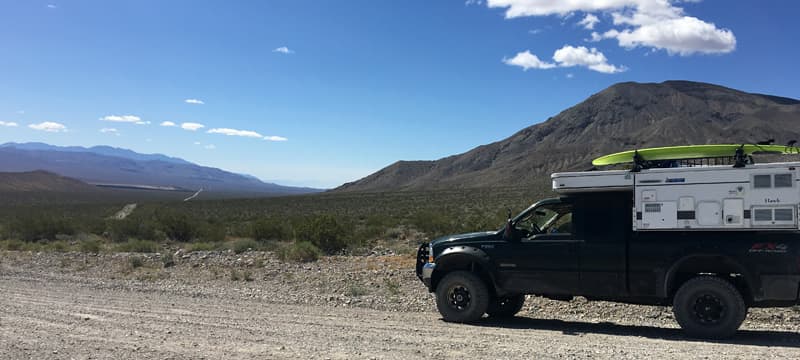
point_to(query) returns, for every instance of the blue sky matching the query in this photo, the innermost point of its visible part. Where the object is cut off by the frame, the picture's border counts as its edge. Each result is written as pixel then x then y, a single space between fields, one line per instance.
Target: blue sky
pixel 318 93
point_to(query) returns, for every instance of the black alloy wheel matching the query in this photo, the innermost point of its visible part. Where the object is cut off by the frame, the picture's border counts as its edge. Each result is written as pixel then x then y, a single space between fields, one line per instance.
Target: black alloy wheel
pixel 709 307
pixel 462 296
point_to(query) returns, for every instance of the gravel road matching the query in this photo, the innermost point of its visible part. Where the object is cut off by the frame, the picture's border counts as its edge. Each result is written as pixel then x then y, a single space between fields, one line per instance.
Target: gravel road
pixel 52 308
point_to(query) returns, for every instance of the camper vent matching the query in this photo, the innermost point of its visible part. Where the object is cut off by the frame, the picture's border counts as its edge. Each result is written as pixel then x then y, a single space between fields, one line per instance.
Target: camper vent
pixel 652 208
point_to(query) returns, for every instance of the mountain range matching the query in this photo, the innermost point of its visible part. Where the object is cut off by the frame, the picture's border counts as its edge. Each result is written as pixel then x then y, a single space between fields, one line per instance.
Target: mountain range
pixel 622 117
pixel 109 166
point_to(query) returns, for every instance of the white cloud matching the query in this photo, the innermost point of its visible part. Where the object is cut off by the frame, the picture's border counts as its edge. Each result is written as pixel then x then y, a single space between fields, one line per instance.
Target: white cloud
pixel 49 126
pixel 567 56
pixel 235 132
pixel 167 123
pixel 283 50
pixel 194 101
pixel 192 126
pixel 142 123
pixel 526 61
pixel 535 31
pixel 570 75
pixel 656 24
pixel 210 147
pixel 8 123
pixel 684 36
pixel 275 138
pixel 473 2
pixel 122 118
pixel 109 131
pixel 21 112
pixel 589 21
pixel 197 143
pixel 519 8
pixel 51 6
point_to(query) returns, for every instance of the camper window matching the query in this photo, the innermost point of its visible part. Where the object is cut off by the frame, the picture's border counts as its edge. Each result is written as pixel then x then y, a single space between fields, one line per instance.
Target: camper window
pixel 783 180
pixel 762 214
pixel 783 215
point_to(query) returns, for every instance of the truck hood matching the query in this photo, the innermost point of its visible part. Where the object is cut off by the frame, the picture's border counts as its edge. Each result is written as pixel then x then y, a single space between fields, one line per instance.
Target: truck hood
pixel 465 238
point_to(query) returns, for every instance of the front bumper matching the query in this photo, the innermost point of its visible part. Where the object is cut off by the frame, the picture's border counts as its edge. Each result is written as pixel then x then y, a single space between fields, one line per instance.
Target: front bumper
pixel 427 274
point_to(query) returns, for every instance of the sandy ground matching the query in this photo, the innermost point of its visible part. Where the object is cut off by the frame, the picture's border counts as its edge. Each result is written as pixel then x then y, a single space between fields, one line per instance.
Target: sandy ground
pixel 63 315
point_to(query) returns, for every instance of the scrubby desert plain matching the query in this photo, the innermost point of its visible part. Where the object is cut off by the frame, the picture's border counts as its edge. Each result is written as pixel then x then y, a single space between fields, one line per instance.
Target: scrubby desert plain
pixel 268 278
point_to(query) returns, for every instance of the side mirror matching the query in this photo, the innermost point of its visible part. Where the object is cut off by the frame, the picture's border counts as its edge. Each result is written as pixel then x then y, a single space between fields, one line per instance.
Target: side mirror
pixel 508 233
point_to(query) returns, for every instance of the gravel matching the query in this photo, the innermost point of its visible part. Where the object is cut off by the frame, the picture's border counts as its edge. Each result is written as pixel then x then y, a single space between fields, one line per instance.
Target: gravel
pixel 252 305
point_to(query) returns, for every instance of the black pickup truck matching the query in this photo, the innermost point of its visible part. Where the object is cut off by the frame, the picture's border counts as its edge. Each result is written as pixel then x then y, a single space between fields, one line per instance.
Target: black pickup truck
pixel 584 245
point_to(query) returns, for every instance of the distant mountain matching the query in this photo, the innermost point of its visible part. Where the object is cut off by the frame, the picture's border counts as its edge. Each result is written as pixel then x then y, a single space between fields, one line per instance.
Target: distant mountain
pixel 101 150
pixel 621 117
pixel 42 181
pixel 125 168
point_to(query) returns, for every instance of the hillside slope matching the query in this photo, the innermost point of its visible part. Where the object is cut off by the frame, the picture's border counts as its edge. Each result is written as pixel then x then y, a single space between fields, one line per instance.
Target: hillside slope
pixel 623 116
pixel 42 181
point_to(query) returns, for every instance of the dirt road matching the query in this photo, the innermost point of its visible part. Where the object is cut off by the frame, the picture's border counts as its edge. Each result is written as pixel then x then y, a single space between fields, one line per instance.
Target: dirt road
pixel 66 317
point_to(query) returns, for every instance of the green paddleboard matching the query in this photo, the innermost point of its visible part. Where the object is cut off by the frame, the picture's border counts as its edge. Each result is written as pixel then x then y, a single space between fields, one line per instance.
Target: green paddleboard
pixel 691 152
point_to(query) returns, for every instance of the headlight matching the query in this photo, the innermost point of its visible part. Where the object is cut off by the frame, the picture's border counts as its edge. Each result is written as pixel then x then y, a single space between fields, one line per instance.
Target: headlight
pixel 430 253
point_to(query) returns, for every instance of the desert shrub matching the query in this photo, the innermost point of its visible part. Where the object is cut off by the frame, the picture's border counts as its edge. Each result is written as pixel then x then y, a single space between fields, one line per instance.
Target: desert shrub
pixel 167 260
pixel 241 245
pixel 90 246
pixel 40 227
pixel 203 246
pixel 268 229
pixel 237 275
pixel 91 225
pixel 210 233
pixel 356 290
pixel 136 245
pixel 130 228
pixel 15 245
pixel 392 286
pixel 433 223
pixel 302 251
pixel 135 262
pixel 56 246
pixel 177 226
pixel 325 231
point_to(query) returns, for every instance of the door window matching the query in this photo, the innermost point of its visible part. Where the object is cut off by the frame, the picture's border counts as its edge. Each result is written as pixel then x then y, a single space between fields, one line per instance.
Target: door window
pixel 546 219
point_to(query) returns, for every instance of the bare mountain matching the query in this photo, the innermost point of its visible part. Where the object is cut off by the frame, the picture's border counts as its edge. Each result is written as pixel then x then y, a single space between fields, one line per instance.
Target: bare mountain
pixel 119 167
pixel 621 117
pixel 39 181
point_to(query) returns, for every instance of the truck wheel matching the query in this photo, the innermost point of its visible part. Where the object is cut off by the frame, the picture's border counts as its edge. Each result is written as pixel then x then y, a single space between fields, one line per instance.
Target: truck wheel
pixel 461 297
pixel 709 307
pixel 505 306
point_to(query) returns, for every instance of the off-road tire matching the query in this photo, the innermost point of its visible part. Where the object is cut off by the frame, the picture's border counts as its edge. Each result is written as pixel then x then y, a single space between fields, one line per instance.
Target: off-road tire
pixel 462 297
pixel 709 307
pixel 505 306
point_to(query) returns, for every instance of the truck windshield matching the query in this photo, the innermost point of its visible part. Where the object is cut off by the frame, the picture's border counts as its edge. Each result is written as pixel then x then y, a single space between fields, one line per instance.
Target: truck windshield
pixel 550 218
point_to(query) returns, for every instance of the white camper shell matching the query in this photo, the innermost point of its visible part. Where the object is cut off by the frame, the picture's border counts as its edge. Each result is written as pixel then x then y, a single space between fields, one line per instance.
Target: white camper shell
pixel 755 197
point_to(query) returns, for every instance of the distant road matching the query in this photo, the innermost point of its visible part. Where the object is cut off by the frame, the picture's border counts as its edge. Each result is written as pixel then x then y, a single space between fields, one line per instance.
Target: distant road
pixel 125 212
pixel 194 195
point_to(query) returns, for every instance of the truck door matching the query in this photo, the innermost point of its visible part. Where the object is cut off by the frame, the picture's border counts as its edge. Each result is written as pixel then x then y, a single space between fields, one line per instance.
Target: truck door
pixel 543 257
pixel 605 225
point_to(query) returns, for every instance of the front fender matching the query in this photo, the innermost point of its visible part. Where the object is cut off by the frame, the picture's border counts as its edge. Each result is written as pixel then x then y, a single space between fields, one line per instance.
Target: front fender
pixel 462 257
